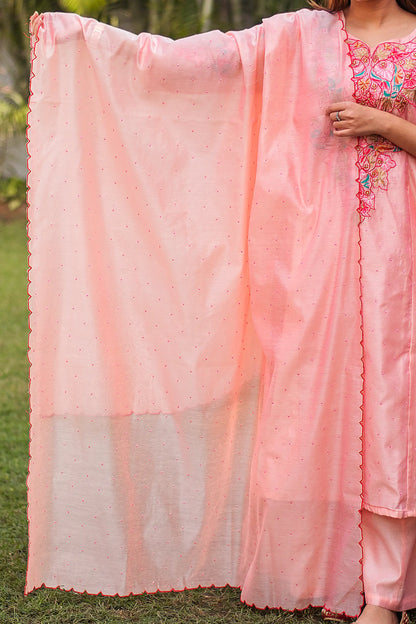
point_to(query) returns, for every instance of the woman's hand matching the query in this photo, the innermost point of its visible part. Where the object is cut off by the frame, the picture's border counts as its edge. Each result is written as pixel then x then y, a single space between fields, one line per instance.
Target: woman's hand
pixel 350 119
pixel 35 22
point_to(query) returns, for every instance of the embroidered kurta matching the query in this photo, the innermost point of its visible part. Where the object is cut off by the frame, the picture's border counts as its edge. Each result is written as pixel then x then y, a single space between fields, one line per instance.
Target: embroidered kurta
pixel 218 339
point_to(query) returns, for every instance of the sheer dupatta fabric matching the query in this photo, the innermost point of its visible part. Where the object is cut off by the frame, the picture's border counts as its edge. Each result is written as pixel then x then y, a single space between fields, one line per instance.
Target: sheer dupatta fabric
pixel 144 366
pixel 194 296
pixel 303 519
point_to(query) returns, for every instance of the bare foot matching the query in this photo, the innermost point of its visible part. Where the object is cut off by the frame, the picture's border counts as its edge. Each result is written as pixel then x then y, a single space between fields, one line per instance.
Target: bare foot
pixel 377 615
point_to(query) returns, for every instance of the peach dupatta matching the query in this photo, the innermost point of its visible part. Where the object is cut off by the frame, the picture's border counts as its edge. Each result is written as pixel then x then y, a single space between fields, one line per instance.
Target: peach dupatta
pixel 195 339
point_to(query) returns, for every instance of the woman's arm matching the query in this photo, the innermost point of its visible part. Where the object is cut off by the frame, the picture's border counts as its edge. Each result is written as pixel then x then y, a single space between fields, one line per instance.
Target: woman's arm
pixel 359 120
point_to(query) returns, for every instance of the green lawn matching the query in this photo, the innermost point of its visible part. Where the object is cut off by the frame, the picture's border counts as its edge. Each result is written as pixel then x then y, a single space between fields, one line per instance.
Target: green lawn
pixel 203 606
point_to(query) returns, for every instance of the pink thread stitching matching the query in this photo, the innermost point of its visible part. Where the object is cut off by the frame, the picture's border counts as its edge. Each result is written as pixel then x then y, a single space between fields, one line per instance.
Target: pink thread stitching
pixel 384 79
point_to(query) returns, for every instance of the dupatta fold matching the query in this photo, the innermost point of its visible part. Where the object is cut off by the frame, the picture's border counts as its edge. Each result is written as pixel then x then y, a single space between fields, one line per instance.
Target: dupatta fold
pixel 195 340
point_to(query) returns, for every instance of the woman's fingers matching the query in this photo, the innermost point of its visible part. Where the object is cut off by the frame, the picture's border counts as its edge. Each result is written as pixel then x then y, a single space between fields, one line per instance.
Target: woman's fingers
pixel 336 117
pixel 338 112
pixel 35 22
pixel 351 119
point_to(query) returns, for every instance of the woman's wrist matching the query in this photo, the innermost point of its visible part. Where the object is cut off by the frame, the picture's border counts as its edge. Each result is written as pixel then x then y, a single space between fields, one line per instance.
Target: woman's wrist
pixel 397 130
pixel 385 123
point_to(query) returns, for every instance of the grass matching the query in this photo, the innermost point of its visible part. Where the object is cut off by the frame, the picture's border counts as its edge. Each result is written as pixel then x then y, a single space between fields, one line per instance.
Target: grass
pixel 46 606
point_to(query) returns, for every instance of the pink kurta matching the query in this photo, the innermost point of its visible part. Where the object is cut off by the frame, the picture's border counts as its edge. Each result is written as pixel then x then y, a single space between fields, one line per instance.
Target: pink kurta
pixel 209 311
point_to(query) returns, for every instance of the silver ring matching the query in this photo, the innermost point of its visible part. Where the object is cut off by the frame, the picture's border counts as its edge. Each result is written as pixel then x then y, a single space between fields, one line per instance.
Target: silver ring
pixel 337 117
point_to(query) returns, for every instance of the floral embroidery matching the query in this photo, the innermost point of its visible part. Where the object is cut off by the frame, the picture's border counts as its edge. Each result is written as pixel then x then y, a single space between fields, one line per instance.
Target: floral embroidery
pixel 374 163
pixel 384 79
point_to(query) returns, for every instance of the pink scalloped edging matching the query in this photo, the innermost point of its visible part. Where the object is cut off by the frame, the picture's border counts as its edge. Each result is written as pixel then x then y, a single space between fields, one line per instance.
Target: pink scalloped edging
pixel 342 614
pixel 34 24
pixel 341 19
pixel 362 217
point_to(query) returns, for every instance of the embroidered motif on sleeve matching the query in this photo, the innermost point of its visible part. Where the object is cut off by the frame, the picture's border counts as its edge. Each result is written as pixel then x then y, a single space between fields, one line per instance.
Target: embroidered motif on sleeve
pixel 384 79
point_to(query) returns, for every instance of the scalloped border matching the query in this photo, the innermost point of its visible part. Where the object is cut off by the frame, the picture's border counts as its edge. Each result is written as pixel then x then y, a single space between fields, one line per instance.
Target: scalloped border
pixel 34 38
pixel 341 18
pixel 344 31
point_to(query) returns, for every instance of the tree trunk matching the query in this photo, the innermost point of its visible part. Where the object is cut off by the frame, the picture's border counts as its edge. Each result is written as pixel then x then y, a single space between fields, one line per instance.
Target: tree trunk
pixel 262 8
pixel 206 14
pixel 154 16
pixel 166 16
pixel 237 14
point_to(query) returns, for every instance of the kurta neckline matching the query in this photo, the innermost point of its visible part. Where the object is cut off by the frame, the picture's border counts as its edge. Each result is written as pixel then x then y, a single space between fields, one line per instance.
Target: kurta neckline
pixel 372 49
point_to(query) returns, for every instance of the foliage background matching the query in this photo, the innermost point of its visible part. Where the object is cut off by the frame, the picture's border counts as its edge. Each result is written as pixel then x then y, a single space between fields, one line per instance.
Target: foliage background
pixel 172 18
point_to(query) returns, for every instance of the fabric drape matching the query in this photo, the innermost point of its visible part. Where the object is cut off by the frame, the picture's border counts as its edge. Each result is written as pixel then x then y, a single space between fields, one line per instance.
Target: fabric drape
pixel 196 297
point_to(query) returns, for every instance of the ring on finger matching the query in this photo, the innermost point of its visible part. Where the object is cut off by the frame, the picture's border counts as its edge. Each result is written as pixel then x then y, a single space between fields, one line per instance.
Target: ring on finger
pixel 337 117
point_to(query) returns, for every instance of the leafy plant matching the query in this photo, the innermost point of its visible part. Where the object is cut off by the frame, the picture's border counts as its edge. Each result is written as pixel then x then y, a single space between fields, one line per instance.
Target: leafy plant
pixel 13 113
pixel 12 192
pixel 98 9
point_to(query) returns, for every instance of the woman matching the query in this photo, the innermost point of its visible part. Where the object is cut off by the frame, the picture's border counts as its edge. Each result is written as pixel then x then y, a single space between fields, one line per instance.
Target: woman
pixel 216 179
pixel 388 584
